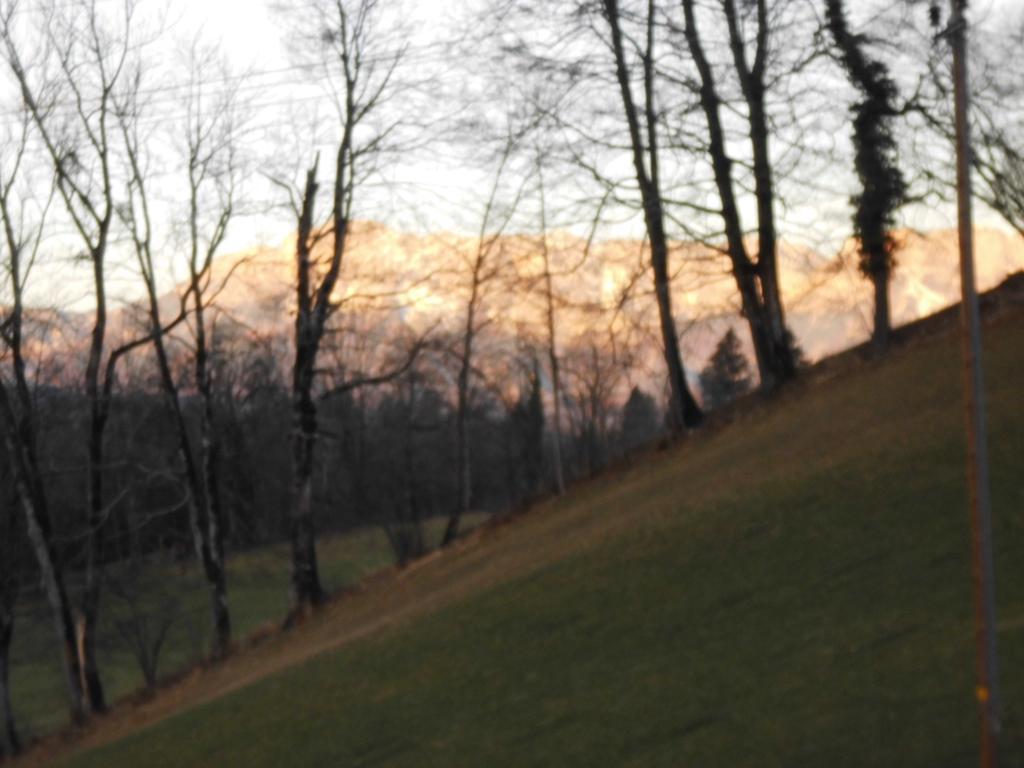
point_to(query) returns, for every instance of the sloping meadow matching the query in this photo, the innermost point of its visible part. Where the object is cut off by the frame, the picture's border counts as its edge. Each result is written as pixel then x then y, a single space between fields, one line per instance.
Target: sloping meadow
pixel 790 589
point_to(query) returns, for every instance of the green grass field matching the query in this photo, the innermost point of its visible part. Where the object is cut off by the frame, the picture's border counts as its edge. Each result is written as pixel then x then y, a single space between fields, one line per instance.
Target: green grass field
pixel 791 590
pixel 258 593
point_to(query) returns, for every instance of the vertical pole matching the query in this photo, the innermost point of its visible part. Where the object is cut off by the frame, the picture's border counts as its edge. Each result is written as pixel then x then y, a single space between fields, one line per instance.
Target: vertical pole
pixel 982 570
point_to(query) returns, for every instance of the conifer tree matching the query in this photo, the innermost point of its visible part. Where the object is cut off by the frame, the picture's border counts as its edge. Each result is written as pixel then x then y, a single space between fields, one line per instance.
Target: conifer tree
pixel 727 374
pixel 640 422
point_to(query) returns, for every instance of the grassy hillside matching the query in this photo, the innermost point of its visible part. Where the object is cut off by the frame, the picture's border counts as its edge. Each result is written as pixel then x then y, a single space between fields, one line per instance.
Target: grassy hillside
pixel 792 589
pixel 258 593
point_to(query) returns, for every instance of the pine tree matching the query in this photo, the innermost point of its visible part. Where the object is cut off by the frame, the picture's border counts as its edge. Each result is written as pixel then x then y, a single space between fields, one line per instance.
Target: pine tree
pixel 800 360
pixel 727 374
pixel 640 422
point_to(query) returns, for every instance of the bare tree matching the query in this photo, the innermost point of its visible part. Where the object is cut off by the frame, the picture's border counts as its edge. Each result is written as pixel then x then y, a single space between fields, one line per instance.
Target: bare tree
pixel 757 279
pixel 753 78
pixel 22 238
pixel 486 265
pixel 313 305
pixel 595 382
pixel 214 173
pixel 349 41
pixel 70 97
pixel 999 161
pixel 404 528
pixel 552 335
pixel 996 114
pixel 642 121
pixel 594 75
pixel 555 265
pixel 997 107
pixel 210 158
pixel 525 427
pixel 145 610
pixel 10 576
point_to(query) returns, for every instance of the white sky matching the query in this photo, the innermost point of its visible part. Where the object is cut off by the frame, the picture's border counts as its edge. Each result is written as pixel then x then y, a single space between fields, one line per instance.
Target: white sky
pixel 245 27
pixel 251 33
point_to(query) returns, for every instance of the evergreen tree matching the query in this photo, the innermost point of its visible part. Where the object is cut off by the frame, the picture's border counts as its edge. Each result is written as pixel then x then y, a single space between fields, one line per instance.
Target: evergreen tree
pixel 800 360
pixel 639 420
pixel 727 374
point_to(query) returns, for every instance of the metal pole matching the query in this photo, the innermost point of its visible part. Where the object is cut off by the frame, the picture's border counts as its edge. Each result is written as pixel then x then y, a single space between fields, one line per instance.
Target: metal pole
pixel 982 570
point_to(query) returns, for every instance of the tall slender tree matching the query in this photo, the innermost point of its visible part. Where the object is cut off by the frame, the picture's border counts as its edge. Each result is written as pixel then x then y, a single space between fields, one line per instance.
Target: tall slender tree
pixel 642 122
pixel 486 265
pixel 211 161
pixel 70 96
pixel 22 237
pixel 215 170
pixel 359 56
pixel 757 276
pixel 551 326
pixel 11 575
pixel 753 78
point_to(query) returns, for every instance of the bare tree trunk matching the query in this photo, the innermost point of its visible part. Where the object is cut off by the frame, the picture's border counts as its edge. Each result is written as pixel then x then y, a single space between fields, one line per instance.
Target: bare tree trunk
pixel 760 303
pixel 217 572
pixel 880 332
pixel 209 553
pixel 482 273
pixel 209 442
pixel 684 411
pixel 20 440
pixel 784 367
pixel 412 543
pixel 212 162
pixel 202 507
pixel 199 504
pixel 214 563
pixel 10 744
pixel 556 395
pixel 306 589
pixel 464 487
pixel 314 306
pixel 549 299
pixel 752 82
pixel 350 38
pixel 40 536
pixel 95 547
pixel 84 179
pixel 86 625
